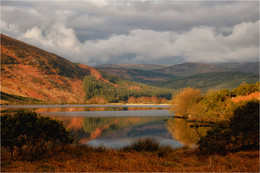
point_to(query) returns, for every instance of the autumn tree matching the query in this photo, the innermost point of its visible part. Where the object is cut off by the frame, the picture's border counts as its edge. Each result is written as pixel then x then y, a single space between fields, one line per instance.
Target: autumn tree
pixel 184 102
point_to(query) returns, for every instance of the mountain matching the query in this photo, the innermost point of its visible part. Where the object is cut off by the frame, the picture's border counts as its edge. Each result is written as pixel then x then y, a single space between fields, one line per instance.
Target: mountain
pixel 190 68
pixel 180 73
pixel 29 72
pixel 31 75
pixel 214 80
pixel 143 76
pixel 133 66
pixel 250 67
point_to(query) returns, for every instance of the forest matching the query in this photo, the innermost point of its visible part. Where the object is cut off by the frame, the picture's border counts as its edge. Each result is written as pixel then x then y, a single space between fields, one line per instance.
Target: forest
pixel 114 89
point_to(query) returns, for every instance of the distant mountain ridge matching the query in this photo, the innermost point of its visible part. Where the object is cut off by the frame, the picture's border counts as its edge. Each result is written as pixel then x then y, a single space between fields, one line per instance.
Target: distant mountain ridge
pixel 133 66
pixel 192 74
pixel 213 80
pixel 191 68
pixel 143 76
pixel 250 67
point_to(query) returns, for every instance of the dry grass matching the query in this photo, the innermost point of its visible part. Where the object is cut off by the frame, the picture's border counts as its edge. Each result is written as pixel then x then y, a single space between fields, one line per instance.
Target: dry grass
pixel 88 159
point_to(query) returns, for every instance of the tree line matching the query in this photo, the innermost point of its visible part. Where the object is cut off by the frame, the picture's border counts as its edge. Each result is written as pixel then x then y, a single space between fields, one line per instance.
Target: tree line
pixel 116 90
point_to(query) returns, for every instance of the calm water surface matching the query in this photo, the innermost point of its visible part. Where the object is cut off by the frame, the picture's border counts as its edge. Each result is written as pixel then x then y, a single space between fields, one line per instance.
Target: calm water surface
pixel 115 126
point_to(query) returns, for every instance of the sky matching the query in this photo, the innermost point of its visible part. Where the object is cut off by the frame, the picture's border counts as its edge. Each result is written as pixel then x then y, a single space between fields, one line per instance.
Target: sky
pixel 97 32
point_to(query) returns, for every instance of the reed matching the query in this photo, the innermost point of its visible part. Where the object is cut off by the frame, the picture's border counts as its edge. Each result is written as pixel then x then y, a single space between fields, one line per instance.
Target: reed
pixel 100 159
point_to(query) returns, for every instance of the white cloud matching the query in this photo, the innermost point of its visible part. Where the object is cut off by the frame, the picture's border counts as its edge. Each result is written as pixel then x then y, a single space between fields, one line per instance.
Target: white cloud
pixel 201 44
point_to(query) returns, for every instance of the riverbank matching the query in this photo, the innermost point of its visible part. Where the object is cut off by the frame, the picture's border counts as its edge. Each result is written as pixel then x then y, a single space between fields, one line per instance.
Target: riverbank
pixel 87 159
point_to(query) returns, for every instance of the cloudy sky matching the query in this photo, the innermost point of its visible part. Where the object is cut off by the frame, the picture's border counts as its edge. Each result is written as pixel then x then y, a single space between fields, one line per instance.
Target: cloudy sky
pixel 163 32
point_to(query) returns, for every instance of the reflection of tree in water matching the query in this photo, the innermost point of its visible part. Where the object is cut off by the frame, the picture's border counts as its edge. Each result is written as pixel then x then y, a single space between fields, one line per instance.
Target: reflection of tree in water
pixel 181 131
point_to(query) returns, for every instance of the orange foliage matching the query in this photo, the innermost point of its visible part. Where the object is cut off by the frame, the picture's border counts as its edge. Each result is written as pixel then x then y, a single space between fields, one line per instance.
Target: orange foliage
pixel 97 100
pixel 255 95
pixel 94 72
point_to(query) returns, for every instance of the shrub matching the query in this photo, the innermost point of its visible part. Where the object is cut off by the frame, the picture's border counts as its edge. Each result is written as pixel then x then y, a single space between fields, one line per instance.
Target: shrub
pixel 143 144
pixel 217 139
pixel 30 133
pixel 245 125
pixel 246 89
pixel 240 133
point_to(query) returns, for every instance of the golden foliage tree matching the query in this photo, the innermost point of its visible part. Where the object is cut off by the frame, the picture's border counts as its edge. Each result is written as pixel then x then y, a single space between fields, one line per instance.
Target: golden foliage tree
pixel 184 103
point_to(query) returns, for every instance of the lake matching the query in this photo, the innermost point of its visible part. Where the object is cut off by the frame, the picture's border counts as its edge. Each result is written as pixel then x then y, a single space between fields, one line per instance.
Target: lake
pixel 115 126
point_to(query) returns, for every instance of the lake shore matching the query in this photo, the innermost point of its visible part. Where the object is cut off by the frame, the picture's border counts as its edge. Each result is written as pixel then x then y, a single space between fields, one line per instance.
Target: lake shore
pixel 82 105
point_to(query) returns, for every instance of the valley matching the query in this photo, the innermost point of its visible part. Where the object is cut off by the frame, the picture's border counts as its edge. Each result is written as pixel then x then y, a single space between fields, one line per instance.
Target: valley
pixel 30 75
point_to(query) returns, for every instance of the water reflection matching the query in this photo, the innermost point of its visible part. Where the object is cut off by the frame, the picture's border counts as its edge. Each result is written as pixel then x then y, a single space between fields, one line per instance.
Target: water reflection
pixel 182 131
pixel 120 125
pixel 117 131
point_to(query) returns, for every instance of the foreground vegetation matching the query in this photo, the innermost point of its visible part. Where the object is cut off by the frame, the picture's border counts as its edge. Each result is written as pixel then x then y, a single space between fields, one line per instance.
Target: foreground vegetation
pixel 156 159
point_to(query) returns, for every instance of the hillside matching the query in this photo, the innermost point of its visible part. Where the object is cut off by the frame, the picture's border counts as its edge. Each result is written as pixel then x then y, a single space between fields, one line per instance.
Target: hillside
pixel 31 75
pixel 133 66
pixel 143 76
pixel 30 72
pixel 189 69
pixel 115 89
pixel 214 80
pixel 250 67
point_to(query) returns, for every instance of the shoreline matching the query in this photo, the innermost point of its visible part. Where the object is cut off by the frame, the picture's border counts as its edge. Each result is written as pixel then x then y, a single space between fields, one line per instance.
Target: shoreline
pixel 83 105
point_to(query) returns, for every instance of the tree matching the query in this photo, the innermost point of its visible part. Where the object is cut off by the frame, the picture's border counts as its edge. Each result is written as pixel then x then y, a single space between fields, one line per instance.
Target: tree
pixel 28 132
pixel 186 99
pixel 89 86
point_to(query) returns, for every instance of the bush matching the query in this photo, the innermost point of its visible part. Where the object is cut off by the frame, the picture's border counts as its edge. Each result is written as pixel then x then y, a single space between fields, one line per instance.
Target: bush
pixel 184 101
pixel 217 139
pixel 145 144
pixel 27 132
pixel 245 125
pixel 240 133
pixel 246 89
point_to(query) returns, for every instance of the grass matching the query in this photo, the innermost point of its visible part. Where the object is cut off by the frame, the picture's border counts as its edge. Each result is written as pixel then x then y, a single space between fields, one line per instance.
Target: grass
pixel 135 158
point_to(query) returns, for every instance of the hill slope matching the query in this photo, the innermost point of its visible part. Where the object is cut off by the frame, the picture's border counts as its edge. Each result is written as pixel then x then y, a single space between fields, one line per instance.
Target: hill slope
pixel 189 69
pixel 133 66
pixel 28 71
pixel 143 76
pixel 250 67
pixel 29 75
pixel 214 80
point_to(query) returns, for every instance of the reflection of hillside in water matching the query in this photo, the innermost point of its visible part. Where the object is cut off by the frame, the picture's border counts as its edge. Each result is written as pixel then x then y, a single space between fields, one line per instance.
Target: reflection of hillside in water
pixel 182 132
pixel 98 126
pixel 88 128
